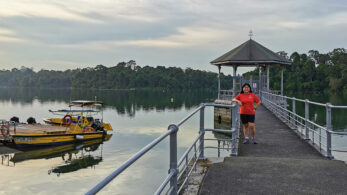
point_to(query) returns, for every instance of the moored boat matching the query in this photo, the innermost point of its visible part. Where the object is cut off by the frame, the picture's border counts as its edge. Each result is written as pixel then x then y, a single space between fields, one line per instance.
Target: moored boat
pixel 82 116
pixel 37 134
pixel 86 127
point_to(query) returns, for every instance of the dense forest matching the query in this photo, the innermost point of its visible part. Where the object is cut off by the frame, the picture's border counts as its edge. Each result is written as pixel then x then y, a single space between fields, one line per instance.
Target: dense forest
pixel 312 72
pixel 125 75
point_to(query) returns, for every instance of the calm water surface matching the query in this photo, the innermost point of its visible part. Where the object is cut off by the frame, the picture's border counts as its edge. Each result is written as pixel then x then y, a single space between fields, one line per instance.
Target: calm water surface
pixel 137 117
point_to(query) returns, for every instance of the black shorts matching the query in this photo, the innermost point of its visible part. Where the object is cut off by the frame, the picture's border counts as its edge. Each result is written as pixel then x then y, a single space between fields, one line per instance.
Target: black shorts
pixel 247 118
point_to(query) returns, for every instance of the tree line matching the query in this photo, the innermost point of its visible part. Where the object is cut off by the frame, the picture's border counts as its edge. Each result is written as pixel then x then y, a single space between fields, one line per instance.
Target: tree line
pixel 312 72
pixel 125 75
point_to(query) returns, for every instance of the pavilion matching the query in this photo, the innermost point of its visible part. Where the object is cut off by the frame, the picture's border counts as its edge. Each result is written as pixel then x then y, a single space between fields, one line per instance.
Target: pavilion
pixel 249 54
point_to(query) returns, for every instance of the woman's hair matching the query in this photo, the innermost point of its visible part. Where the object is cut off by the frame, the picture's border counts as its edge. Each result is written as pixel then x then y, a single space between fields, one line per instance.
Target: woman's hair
pixel 246 84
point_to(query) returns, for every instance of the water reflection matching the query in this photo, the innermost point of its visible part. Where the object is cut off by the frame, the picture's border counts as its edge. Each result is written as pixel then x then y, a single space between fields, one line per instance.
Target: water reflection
pixel 124 101
pixel 74 156
pixel 317 114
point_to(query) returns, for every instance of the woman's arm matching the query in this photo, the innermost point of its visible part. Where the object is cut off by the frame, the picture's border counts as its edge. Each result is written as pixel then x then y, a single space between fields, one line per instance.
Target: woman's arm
pixel 257 105
pixel 238 101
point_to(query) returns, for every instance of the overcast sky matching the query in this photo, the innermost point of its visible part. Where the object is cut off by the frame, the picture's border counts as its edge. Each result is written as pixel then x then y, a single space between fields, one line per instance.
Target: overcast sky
pixel 66 34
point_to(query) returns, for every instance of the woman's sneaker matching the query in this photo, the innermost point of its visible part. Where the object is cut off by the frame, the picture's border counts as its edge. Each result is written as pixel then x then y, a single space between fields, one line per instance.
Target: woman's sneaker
pixel 254 141
pixel 246 141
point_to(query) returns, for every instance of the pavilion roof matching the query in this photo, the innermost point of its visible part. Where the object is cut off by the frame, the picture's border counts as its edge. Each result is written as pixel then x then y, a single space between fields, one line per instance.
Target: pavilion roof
pixel 250 53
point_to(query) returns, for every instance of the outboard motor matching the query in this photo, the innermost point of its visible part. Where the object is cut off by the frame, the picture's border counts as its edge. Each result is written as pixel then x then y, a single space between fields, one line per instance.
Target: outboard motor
pixel 97 125
pixel 15 119
pixel 31 120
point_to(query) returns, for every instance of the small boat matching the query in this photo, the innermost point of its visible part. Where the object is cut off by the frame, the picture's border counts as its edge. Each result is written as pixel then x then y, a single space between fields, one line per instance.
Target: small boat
pixel 81 117
pixel 65 132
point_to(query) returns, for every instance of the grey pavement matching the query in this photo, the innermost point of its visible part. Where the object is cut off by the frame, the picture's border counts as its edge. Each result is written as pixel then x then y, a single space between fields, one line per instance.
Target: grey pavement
pixel 282 163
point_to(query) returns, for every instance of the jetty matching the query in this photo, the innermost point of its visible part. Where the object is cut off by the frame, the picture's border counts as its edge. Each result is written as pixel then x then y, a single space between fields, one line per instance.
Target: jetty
pixel 281 163
pixel 294 154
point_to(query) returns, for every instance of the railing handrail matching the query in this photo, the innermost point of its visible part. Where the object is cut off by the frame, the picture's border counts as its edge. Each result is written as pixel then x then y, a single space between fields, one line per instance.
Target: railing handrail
pixel 306 100
pixel 129 162
pixel 303 125
pixel 172 129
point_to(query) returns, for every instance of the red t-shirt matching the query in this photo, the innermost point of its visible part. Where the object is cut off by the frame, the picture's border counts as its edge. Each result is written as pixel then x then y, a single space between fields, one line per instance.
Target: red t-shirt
pixel 247 103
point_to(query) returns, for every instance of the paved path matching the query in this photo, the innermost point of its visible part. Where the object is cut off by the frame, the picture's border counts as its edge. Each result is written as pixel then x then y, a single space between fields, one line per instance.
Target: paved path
pixel 281 163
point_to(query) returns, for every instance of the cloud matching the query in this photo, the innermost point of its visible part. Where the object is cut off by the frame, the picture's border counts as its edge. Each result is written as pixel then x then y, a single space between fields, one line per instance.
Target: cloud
pixel 182 31
pixel 185 37
pixel 7 35
pixel 80 10
pixel 291 24
pixel 37 8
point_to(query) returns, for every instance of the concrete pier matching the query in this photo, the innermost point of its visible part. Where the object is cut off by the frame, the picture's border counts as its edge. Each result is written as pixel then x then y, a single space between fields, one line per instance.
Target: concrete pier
pixel 281 163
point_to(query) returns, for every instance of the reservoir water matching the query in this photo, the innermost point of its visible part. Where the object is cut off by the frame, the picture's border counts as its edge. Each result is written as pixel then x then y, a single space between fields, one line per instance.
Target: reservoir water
pixel 137 117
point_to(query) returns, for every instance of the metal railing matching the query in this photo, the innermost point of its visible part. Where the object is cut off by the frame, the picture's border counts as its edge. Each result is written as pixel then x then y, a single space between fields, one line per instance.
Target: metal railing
pixel 183 167
pixel 317 135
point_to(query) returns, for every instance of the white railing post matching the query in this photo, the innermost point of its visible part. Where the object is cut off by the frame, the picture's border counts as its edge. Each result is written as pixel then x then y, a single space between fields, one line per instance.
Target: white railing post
pixel 307 136
pixel 235 123
pixel 202 131
pixel 329 129
pixel 173 159
pixel 294 113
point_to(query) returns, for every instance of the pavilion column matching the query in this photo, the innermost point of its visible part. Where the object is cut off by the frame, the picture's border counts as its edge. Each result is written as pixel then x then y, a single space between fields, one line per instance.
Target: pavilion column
pixel 234 80
pixel 268 78
pixel 219 67
pixel 260 83
pixel 282 68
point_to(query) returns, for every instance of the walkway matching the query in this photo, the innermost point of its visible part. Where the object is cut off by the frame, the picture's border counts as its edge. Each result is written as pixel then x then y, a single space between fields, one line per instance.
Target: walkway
pixel 281 163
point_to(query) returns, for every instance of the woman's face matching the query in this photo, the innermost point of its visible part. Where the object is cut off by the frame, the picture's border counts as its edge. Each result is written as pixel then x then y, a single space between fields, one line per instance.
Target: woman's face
pixel 246 89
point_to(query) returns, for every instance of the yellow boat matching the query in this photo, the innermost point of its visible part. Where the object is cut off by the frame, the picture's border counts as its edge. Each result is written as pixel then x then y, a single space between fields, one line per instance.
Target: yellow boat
pixel 82 117
pixel 67 132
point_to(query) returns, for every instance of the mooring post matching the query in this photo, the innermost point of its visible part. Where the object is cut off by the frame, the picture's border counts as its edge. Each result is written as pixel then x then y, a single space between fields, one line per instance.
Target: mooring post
pixel 202 131
pixel 173 159
pixel 294 113
pixel 329 129
pixel 307 136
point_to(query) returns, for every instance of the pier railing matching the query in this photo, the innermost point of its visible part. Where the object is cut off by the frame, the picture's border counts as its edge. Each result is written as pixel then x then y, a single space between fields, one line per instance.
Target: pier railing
pixel 320 136
pixel 180 171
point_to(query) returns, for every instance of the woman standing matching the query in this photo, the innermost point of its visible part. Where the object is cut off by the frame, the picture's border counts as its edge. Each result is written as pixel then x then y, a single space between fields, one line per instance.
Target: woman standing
pixel 246 101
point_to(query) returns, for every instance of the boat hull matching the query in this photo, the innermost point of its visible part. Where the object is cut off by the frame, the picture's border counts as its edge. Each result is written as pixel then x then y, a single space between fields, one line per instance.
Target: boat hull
pixel 48 140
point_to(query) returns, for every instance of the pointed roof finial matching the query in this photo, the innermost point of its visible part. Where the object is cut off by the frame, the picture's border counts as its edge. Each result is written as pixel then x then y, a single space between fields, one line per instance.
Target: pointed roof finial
pixel 250 34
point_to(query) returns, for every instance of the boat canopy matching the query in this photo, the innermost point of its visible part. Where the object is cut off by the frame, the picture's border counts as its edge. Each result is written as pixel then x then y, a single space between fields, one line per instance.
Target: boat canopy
pixel 69 111
pixel 83 103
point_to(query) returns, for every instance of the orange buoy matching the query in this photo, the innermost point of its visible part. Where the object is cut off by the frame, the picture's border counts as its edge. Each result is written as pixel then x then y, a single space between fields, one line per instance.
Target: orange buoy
pixel 5 127
pixel 67 120
pixel 88 129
